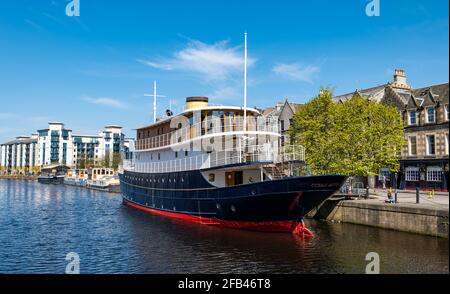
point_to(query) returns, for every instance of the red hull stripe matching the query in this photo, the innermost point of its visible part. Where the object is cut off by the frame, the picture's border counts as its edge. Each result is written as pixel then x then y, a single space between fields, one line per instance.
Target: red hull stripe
pixel 281 226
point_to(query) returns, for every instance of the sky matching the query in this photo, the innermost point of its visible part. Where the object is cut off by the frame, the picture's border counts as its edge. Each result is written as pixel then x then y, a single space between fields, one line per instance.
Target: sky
pixel 93 70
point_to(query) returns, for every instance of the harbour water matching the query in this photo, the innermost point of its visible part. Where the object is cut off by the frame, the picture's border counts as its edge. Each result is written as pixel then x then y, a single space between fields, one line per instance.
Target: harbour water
pixel 41 224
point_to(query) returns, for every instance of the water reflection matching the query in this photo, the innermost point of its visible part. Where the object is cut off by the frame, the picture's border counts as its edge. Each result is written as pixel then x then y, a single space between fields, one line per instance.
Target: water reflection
pixel 41 224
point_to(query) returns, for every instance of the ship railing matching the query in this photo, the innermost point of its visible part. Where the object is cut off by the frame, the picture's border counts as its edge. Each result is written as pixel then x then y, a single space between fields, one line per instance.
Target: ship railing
pixel 207 127
pixel 290 153
pixel 250 154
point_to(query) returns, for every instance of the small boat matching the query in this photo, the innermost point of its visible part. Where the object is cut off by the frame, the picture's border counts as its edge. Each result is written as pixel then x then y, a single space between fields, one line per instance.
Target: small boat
pixel 103 179
pixel 52 174
pixel 76 177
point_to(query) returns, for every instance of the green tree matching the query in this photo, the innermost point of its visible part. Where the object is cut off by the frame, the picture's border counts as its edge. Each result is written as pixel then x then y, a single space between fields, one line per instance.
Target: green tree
pixel 358 137
pixel 116 160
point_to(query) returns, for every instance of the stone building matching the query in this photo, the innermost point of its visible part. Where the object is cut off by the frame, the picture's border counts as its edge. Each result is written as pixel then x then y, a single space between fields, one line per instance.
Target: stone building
pixel 424 160
pixel 284 111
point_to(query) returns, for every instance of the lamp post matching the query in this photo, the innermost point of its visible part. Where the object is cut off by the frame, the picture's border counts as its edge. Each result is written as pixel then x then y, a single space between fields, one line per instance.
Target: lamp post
pixel 395 187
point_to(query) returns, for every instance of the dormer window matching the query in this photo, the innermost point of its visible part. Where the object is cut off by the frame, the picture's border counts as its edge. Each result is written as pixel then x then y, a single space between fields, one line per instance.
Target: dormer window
pixel 412 118
pixel 431 115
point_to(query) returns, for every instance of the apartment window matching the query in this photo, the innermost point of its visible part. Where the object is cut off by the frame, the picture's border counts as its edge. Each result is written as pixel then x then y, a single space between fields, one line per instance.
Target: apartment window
pixel 282 125
pixel 431 148
pixel 412 145
pixel 412 118
pixel 446 112
pixel 412 174
pixel 431 115
pixel 446 144
pixel 434 174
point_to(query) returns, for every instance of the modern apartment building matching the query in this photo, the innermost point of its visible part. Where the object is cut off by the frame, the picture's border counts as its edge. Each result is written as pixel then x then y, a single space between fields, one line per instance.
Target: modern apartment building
pixel 19 156
pixel 58 145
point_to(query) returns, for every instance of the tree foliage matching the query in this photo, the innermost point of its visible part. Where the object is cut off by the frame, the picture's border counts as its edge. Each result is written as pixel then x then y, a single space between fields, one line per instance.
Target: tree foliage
pixel 358 137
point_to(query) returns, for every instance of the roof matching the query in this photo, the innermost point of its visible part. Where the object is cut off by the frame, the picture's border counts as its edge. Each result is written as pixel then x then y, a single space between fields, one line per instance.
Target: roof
pixel 86 136
pixel 373 93
pixel 21 141
pixel 186 111
pixel 439 92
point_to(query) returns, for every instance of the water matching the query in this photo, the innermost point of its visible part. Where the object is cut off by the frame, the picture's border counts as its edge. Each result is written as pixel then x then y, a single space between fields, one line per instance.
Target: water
pixel 40 224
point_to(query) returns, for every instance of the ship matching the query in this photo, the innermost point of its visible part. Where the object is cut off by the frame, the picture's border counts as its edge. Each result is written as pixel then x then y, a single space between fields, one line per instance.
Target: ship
pixel 226 166
pixel 223 166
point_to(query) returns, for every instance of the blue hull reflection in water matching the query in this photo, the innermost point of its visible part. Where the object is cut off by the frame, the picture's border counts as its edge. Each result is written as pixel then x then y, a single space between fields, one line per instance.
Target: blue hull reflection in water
pixel 40 224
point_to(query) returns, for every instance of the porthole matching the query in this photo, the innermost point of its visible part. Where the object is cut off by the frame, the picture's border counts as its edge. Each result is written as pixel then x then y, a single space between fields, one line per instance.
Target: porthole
pixel 232 208
pixel 211 177
pixel 218 206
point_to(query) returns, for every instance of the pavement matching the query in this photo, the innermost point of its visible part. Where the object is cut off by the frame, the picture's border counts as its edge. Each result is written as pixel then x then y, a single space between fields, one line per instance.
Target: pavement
pixel 440 200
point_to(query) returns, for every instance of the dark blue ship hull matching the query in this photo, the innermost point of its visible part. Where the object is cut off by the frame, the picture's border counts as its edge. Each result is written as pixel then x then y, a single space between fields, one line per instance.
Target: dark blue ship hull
pixel 270 205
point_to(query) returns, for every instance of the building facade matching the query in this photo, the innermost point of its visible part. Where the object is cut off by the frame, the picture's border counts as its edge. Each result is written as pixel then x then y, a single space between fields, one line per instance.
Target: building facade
pixel 20 156
pixel 424 160
pixel 58 145
pixel 284 112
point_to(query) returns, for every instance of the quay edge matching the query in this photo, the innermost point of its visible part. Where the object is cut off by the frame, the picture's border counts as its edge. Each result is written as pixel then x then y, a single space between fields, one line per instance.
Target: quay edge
pixel 406 217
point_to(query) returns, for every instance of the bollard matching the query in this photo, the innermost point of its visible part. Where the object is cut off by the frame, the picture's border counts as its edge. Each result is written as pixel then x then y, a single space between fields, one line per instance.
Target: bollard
pixel 395 200
pixel 417 196
pixel 367 193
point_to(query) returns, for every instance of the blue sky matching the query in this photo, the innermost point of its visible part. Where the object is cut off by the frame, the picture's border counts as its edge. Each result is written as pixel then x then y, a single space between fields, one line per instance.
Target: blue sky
pixel 92 70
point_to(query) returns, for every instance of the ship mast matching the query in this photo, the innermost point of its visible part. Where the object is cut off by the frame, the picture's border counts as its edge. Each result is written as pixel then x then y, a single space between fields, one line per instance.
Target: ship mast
pixel 154 95
pixel 245 81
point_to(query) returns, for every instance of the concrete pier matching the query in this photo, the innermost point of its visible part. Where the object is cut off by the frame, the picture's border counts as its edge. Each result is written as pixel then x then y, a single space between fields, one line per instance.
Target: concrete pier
pixel 428 218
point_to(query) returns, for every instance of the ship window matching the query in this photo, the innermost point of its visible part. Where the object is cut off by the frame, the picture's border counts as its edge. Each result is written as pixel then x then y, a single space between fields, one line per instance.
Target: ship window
pixel 212 177
pixel 159 156
pixel 186 153
pixel 162 180
pixel 176 154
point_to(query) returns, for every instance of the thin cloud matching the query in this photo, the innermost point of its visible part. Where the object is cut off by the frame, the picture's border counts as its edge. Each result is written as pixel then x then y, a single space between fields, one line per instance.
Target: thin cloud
pixel 106 101
pixel 296 71
pixel 33 24
pixel 217 61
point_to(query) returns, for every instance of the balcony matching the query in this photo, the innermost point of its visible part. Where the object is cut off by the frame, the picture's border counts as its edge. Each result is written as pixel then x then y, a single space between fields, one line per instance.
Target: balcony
pixel 201 129
pixel 252 154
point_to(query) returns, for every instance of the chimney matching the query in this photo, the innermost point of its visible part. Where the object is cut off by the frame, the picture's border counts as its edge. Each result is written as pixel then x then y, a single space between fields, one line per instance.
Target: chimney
pixel 196 102
pixel 400 79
